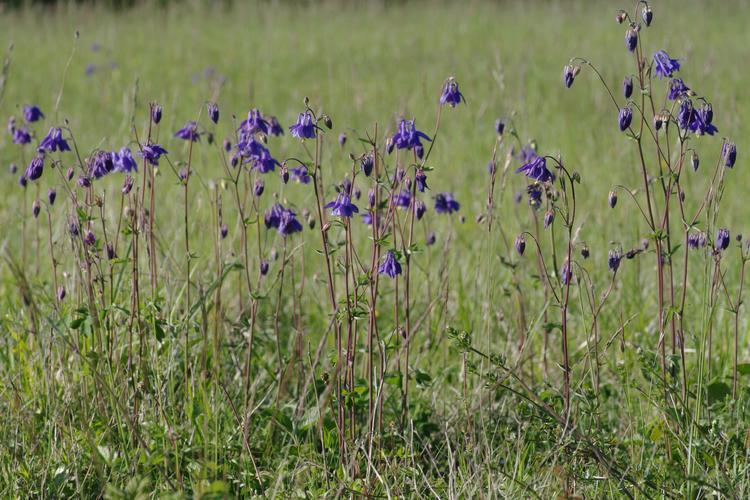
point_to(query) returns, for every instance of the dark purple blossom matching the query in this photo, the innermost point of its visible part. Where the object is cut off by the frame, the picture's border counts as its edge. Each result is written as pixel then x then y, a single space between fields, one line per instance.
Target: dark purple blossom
pixel 419 209
pixel 722 239
pixel 701 122
pixel 273 215
pixel 54 141
pixel 499 126
pixel 189 132
pixel 264 267
pixel 288 223
pixel 566 273
pixel 402 199
pixel 84 181
pixel 223 231
pixel 677 89
pixel 613 260
pixel 51 196
pixel 430 238
pixel 342 139
pixel 631 38
pixel 665 65
pixel 342 206
pixel 366 164
pixel 35 168
pixel 627 87
pixel 89 238
pixel 685 114
pixel 276 128
pixel 451 95
pixel 446 204
pixel 729 154
pixel 534 191
pixel 527 153
pixel 124 161
pixel 127 185
pixel 537 169
pixel 22 181
pixel 100 164
pixel 152 152
pixel 254 124
pixel 301 174
pixel 568 75
pixel 390 266
pixel 695 161
pixel 36 208
pixel 407 136
pixel 549 218
pixel 696 240
pixel 612 199
pixel 213 112
pixel 421 179
pixel 304 128
pixel 155 113
pixel 61 293
pixel 624 118
pixel 32 113
pixel 520 244
pixel 21 136
pixel 647 14
pixel 259 187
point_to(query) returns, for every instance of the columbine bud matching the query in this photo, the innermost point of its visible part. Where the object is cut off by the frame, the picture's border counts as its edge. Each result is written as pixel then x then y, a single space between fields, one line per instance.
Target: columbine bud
pixel 371 197
pixel 13 168
pixel 631 38
pixel 264 267
pixel 366 164
pixel 284 175
pixel 695 161
pixel 60 293
pixel 549 218
pixel 259 187
pixel 35 208
pixel 227 145
pixel 499 126
pixel 342 139
pixel 520 244
pixel 627 87
pixel 155 113
pixel 612 199
pixel 69 174
pixel 585 252
pixel 127 185
pixel 51 196
pixel 624 118
pixel 357 193
pixel 648 15
pixel 89 238
pixel 729 154
pixel 389 144
pixel 722 239
pixel 213 112
pixel 111 251
pixel 223 231
pixel 613 260
pixel 568 76
pixel 621 17
pixel 430 238
pixel 327 120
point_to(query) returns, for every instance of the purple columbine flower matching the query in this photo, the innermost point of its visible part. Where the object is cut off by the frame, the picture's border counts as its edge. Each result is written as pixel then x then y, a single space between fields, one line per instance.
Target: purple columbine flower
pixel 152 152
pixel 259 187
pixel 624 118
pixel 446 204
pixel 254 124
pixel 665 65
pixel 273 215
pixel 288 223
pixel 367 163
pixel 35 168
pixel 566 273
pixel 568 75
pixel 304 128
pixel 223 231
pixel 61 293
pixel 275 127
pixel 534 192
pixel 613 260
pixel 612 199
pixel 89 238
pixel 342 206
pixel 520 244
pixel 54 141
pixel 32 113
pixel 284 174
pixel 227 145
pixel 367 218
pixel 430 240
pixel 100 164
pixel 22 181
pixel 264 266
pixel 84 181
pixel 702 118
pixel 549 218
pixel 51 196
pixel 342 139
pixel 647 14
pixel 70 173
pixel 729 154
pixel 111 254
pixel 527 153
pixel 627 87
pixel 499 126
pixel 421 179
pixel 722 239
pixel 696 240
pixel 695 161
pixel 189 132
pixel 685 114
pixel 402 199
pixel 301 174
pixel 419 209
pixel 21 136
pixel 407 136
pixel 213 112
pixel 451 95
pixel 155 113
pixel 390 266
pixel 73 228
pixel 124 161
pixel 631 38
pixel 36 208
pixel 677 89
pixel 537 169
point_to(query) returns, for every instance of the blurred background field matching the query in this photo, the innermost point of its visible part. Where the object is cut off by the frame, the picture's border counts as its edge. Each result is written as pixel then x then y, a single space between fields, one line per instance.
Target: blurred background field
pixel 365 63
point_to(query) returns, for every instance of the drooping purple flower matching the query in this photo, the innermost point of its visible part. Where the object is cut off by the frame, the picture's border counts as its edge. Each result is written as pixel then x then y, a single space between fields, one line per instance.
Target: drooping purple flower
pixel 70 173
pixel 685 114
pixel 264 266
pixel 367 163
pixel 342 206
pixel 32 113
pixel 566 273
pixel 677 89
pixel 111 254
pixel 84 181
pixel 189 132
pixel 537 169
pixel 568 75
pixel 152 152
pixel 696 240
pixel 254 124
pixel 61 293
pixel 301 174
pixel 613 260
pixel 124 161
pixel 527 153
pixel 371 197
pixel 421 179
pixel 54 141
pixel 665 65
pixel 402 199
pixel 35 168
pixel 22 181
pixel 304 128
pixel 722 239
pixel 624 118
pixel 275 127
pixel 288 223
pixel 627 87
pixel 520 244
pixel 451 95
pixel 534 191
pixel 273 215
pixel 100 164
pixel 390 266
pixel 367 218
pixel 284 174
pixel 227 145
pixel 89 238
pixel 631 38
pixel 702 118
pixel 21 136
pixel 729 154
pixel 258 187
pixel 342 139
pixel 647 14
pixel 73 228
pixel 445 203
pixel 549 218
pixel 213 112
pixel 612 199
pixel 407 136
pixel 695 161
pixel 155 113
pixel 51 196
pixel 36 208
pixel 430 238
pixel 499 126
pixel 223 231
pixel 419 209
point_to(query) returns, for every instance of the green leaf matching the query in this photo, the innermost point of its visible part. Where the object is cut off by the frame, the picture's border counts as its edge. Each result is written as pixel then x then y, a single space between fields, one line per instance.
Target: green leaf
pixel 744 368
pixel 717 391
